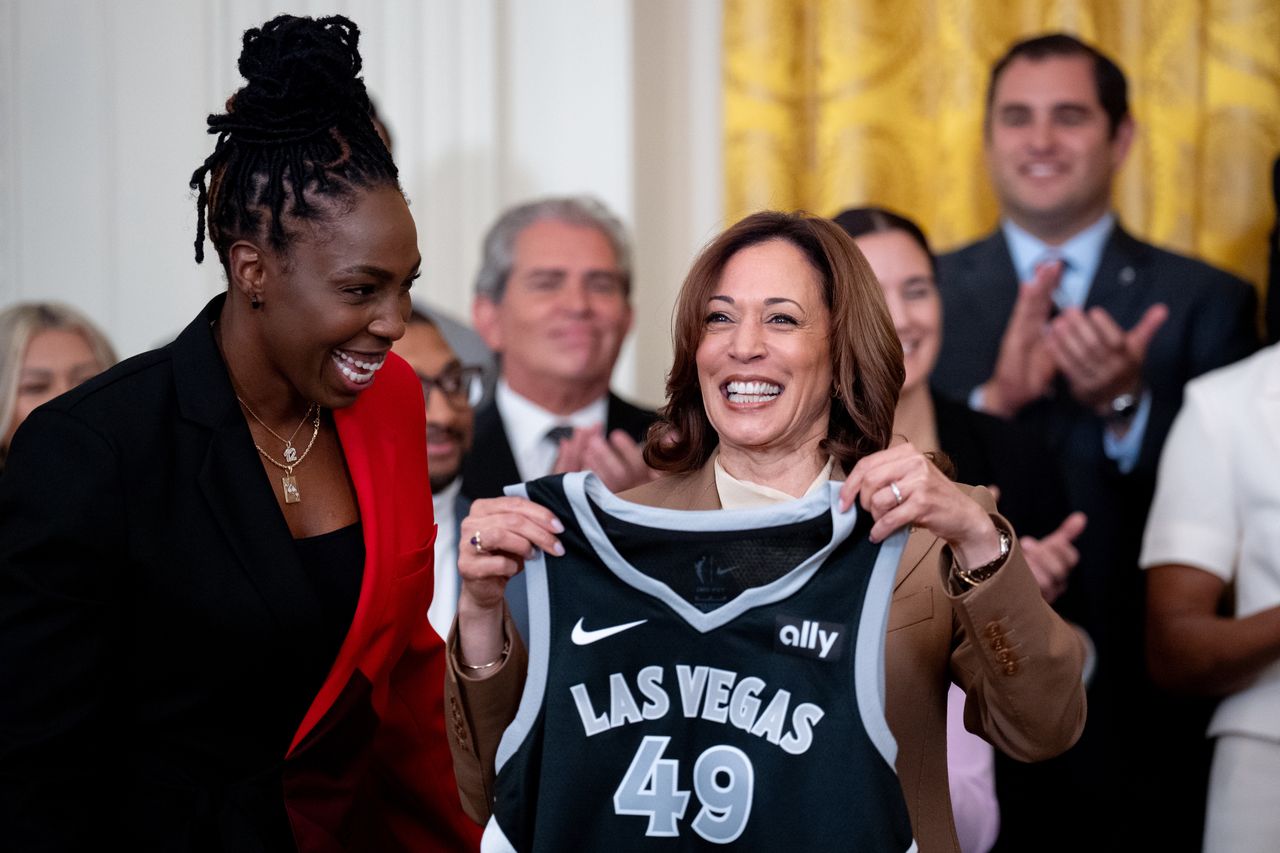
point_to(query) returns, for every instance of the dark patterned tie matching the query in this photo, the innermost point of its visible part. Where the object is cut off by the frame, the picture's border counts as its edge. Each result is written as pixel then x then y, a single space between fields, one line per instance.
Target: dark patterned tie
pixel 559 433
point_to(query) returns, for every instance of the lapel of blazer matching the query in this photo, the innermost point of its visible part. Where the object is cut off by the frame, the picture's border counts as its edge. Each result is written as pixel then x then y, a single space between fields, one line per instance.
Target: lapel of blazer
pixel 992 283
pixel 919 545
pixel 231 481
pixel 389 474
pixel 490 466
pixel 1120 286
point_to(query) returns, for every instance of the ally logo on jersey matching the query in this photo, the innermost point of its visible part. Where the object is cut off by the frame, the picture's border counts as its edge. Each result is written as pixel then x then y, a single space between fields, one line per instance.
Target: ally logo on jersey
pixel 810 638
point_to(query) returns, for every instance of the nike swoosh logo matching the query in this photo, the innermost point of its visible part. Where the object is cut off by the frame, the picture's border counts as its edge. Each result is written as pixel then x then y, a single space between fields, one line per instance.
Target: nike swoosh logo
pixel 583 637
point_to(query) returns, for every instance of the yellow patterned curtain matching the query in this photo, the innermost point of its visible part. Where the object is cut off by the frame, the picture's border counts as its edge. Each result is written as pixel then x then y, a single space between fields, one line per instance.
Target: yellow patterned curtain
pixel 832 103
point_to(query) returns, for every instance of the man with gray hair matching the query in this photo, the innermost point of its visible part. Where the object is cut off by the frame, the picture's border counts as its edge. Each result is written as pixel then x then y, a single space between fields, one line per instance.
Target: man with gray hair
pixel 553 300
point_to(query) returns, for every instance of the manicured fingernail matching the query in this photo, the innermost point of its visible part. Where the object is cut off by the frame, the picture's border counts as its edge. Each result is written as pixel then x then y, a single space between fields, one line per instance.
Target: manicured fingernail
pixel 557 526
pixel 558 549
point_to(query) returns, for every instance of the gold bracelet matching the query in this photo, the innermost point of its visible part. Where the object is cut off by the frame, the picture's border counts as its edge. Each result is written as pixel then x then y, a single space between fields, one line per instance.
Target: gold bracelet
pixel 480 667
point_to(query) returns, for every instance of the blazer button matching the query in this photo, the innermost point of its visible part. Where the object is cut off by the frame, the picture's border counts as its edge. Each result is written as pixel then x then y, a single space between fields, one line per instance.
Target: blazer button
pixel 1010 668
pixel 993 629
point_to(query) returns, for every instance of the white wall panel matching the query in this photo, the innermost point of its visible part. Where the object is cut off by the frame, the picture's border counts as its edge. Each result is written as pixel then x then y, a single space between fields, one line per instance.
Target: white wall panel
pixel 102 108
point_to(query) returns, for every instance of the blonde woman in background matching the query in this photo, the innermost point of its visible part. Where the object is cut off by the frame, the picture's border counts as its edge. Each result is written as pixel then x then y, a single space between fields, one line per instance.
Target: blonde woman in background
pixel 46 349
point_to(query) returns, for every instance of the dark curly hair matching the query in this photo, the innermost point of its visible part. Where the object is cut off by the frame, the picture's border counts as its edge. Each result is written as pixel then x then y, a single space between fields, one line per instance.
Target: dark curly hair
pixel 866 356
pixel 299 129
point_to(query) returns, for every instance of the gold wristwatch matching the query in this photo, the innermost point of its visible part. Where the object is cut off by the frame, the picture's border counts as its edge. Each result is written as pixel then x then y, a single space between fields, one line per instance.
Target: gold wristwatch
pixel 972 577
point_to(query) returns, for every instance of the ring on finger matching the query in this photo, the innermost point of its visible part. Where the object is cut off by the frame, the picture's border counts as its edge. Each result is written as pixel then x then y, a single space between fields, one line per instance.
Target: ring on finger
pixel 897 493
pixel 477 542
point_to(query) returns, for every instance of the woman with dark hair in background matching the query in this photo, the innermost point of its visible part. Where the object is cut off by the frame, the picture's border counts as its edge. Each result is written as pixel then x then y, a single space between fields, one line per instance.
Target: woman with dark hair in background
pixel 215 559
pixel 982 449
pixel 46 349
pixel 785 377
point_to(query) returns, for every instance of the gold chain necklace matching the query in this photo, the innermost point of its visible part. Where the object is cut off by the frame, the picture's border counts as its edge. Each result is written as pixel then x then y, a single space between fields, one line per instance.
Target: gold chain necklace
pixel 291 456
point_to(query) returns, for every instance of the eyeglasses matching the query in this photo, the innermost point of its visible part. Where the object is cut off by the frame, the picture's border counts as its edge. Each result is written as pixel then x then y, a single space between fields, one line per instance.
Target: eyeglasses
pixel 461 386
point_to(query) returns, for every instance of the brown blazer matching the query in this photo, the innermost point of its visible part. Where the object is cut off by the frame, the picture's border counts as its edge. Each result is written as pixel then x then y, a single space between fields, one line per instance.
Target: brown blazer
pixel 1018 662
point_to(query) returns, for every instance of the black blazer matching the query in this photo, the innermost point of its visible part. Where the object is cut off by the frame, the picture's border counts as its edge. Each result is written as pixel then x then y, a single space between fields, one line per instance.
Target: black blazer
pixel 160 641
pixel 490 466
pixel 95 475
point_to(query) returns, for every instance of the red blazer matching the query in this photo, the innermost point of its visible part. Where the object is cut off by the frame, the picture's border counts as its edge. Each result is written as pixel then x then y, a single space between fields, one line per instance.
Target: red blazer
pixel 389 673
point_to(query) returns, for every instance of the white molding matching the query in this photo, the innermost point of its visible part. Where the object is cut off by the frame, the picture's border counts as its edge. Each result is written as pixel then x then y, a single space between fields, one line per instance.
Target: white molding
pixel 10 200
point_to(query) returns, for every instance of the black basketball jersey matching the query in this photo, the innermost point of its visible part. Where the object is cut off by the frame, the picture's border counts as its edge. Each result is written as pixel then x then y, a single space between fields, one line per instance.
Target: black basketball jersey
pixel 698 679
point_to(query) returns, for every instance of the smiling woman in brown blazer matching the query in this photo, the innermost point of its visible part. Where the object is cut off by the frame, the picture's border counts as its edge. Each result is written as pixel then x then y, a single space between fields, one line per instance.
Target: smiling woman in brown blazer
pixel 787 300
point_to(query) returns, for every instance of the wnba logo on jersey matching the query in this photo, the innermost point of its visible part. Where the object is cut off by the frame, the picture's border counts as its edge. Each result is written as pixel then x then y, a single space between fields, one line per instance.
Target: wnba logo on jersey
pixel 810 638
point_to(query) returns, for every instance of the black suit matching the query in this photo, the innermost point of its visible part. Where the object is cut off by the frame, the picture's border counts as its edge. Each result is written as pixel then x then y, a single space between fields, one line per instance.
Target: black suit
pixel 1143 752
pixel 490 467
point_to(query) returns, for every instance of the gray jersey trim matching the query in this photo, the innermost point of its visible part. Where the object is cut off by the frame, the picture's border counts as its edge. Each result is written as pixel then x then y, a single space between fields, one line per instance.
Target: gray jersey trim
pixel 494 839
pixel 535 686
pixel 868 677
pixel 583 488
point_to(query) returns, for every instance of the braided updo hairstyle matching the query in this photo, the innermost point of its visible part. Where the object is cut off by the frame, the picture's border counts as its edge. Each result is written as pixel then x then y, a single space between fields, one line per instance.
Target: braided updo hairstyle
pixel 298 129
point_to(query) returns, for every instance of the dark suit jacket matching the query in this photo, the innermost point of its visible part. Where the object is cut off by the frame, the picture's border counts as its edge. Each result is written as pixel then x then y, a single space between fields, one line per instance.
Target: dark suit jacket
pixel 989 451
pixel 490 467
pixel 1124 756
pixel 1029 704
pixel 151 598
pixel 1212 317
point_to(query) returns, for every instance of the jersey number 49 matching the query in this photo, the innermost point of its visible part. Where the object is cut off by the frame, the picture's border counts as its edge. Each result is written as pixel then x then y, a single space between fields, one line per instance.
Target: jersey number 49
pixel 723 780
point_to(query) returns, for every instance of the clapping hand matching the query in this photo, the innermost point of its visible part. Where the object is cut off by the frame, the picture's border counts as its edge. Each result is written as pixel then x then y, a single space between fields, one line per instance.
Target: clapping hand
pixel 617 460
pixel 1052 558
pixel 1025 367
pixel 1099 359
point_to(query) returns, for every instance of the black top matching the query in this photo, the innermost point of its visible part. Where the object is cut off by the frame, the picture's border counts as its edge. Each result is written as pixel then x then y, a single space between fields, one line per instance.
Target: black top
pixel 335 563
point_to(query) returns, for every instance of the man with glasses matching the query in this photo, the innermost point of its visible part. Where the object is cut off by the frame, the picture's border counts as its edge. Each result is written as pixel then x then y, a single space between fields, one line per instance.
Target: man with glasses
pixel 451 390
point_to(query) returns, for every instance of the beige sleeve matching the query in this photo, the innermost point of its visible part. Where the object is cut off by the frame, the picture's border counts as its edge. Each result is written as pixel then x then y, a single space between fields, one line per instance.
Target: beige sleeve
pixel 1017 661
pixel 478 712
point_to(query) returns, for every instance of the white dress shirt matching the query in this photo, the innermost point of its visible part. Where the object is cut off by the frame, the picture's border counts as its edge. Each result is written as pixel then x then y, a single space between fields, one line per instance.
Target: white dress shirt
pixel 445 599
pixel 527 423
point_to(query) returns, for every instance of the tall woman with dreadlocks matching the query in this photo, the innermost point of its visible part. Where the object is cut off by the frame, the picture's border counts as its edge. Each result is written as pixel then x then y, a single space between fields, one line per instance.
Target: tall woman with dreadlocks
pixel 215 559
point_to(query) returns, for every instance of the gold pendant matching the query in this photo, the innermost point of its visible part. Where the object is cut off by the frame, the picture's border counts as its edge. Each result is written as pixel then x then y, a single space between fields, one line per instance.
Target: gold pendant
pixel 290 484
